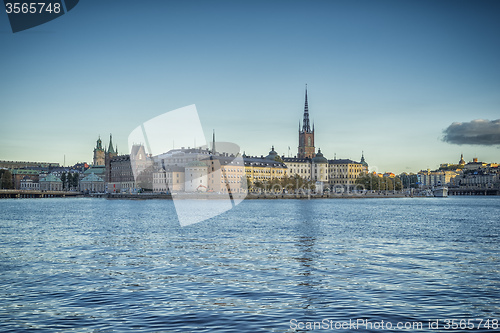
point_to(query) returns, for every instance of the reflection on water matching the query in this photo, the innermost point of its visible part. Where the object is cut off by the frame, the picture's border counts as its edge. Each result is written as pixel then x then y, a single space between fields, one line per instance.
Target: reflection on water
pixel 111 265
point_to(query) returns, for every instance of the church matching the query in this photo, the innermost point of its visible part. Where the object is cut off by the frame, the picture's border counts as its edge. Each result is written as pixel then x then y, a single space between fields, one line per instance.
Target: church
pixel 101 161
pixel 101 154
pixel 314 166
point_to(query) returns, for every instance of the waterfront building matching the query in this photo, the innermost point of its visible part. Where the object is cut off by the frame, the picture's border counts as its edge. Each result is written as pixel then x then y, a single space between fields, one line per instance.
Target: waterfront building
pixel 51 183
pixel 226 173
pixel 196 173
pixel 331 173
pixel 19 174
pixel 27 184
pixel 264 169
pixel 121 177
pixel 479 175
pixel 169 179
pixel 219 173
pixel 479 179
pixel 428 179
pixel 319 168
pixel 92 184
pixel 344 172
pixel 298 166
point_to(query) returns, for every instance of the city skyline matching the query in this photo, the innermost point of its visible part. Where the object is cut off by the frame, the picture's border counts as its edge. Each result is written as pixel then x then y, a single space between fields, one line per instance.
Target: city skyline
pixel 387 78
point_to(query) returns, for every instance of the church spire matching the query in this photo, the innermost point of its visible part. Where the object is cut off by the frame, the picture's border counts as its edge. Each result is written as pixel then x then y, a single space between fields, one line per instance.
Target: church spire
pixel 111 149
pixel 462 161
pixel 305 125
pixel 363 161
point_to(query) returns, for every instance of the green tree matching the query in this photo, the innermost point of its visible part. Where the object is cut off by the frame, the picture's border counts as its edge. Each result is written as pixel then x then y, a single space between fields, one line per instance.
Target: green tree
pixel 6 179
pixel 63 179
pixel 249 183
pixel 372 182
pixel 76 180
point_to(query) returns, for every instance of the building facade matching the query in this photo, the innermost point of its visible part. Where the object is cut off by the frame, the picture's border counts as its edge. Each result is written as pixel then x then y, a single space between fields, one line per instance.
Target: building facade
pixel 344 172
pixel 51 183
pixel 18 175
pixel 121 177
pixel 198 170
pixel 169 180
pixel 27 184
pixel 92 184
pixel 429 179
pixel 264 169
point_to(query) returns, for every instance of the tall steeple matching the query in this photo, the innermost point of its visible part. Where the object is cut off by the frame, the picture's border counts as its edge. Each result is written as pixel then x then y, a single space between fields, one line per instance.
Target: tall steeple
pixel 111 149
pixel 306 135
pixel 462 161
pixel 305 124
pixel 363 161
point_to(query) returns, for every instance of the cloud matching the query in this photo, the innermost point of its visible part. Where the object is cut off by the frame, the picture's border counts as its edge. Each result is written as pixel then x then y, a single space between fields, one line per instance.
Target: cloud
pixel 476 132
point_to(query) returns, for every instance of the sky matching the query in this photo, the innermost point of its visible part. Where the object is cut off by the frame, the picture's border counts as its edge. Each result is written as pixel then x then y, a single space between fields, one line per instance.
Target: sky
pixel 412 84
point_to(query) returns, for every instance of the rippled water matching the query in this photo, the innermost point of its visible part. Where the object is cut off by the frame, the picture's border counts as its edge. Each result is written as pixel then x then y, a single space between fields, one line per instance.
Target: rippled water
pixel 97 265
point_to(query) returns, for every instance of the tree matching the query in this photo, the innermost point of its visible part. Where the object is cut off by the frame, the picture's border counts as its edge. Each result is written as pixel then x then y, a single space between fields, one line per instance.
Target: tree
pixel 375 183
pixel 6 179
pixel 75 180
pixel 63 179
pixel 249 183
pixel 371 182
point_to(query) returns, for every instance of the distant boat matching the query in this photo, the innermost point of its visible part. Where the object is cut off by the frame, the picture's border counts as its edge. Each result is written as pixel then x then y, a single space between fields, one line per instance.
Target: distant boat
pixel 440 192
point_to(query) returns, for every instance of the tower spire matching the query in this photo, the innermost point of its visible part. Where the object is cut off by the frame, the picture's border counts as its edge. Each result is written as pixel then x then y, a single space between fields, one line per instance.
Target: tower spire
pixel 306 136
pixel 363 161
pixel 111 149
pixel 305 125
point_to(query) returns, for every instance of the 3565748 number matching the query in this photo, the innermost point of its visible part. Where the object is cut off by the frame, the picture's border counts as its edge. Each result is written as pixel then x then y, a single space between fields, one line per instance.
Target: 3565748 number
pixel 32 7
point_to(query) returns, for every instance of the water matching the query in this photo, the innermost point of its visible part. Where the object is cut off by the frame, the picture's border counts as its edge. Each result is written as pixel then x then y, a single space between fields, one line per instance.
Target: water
pixel 96 265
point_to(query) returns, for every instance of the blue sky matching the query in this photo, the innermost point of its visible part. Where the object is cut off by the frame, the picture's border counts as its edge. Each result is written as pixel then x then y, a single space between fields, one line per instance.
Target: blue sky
pixel 384 77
